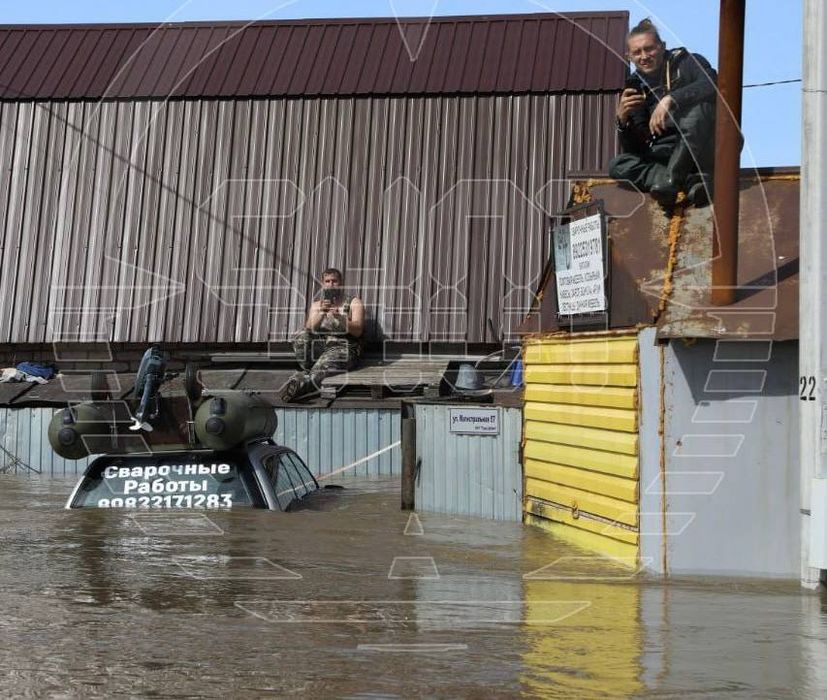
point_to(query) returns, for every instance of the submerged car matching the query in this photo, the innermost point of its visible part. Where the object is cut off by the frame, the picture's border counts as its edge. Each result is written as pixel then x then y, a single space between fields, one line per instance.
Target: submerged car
pixel 190 451
pixel 259 475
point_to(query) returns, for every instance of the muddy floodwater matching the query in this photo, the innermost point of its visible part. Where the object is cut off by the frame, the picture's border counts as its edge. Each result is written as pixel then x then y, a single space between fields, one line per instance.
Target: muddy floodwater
pixel 356 599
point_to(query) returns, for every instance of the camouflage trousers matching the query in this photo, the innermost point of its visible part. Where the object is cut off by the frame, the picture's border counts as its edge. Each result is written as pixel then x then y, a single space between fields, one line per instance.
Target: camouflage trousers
pixel 323 355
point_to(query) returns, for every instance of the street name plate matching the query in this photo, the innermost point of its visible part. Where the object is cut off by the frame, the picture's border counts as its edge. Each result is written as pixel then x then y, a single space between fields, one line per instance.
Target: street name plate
pixel 475 421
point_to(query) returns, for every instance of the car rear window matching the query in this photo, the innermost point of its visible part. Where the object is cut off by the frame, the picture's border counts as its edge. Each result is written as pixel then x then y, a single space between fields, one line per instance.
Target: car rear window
pixel 189 481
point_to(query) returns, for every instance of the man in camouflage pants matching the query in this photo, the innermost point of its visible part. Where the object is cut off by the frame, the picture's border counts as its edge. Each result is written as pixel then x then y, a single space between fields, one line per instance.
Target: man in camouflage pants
pixel 331 339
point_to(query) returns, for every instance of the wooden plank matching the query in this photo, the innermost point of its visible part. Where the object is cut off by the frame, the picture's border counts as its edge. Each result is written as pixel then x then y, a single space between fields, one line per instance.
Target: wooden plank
pixel 13 390
pixel 70 389
pixel 399 373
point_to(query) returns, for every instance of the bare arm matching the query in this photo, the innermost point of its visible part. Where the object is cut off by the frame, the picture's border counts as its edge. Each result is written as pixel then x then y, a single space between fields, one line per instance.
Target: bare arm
pixel 316 314
pixel 356 318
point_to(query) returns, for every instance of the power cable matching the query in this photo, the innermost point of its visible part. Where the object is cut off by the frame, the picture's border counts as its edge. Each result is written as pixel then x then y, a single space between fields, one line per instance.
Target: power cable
pixel 777 82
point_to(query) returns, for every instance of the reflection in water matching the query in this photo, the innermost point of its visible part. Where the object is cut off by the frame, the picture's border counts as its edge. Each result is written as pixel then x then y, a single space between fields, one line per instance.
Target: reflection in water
pixel 596 651
pixel 340 601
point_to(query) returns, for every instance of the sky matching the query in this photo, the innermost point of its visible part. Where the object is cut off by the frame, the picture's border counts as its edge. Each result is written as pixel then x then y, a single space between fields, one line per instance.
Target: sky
pixel 771 115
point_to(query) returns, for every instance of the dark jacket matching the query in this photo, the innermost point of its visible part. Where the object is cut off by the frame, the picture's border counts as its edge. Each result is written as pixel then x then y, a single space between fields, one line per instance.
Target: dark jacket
pixel 687 77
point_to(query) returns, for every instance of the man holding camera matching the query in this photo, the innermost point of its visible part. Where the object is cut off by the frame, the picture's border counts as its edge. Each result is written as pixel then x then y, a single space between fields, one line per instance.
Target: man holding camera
pixel 666 120
pixel 331 339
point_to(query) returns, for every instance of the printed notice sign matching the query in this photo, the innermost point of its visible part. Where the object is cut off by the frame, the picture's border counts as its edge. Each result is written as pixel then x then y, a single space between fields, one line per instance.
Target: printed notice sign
pixel 578 264
pixel 475 421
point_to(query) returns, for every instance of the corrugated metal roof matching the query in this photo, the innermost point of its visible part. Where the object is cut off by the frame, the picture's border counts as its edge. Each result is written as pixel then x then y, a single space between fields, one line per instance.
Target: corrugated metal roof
pixel 557 52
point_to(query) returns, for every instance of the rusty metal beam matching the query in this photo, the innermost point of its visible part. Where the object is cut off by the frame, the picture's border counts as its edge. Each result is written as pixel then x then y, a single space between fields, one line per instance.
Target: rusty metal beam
pixel 728 151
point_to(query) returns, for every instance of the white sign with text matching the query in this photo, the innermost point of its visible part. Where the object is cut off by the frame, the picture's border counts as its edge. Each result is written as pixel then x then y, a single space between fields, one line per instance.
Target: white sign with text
pixel 578 264
pixel 475 421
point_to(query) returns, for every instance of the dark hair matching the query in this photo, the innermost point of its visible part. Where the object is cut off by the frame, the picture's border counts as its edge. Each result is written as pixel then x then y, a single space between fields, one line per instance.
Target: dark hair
pixel 645 26
pixel 334 271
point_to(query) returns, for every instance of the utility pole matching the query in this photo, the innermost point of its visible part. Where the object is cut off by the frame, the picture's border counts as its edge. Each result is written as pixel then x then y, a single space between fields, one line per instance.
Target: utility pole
pixel 812 307
pixel 728 152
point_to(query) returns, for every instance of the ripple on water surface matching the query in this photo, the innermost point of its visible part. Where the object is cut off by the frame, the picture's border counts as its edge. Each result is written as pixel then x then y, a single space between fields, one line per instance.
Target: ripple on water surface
pixel 354 598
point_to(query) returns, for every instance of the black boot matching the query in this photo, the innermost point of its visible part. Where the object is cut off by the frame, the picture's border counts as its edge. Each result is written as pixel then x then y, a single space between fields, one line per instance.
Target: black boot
pixel 699 191
pixel 298 385
pixel 660 185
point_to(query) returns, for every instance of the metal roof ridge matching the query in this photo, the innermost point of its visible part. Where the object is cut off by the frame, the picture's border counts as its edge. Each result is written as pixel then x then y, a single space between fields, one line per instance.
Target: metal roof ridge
pixel 516 17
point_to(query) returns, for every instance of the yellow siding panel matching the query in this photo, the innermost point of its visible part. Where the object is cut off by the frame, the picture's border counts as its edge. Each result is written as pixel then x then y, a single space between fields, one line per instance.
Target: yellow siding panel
pixel 605 507
pixel 586 416
pixel 581 440
pixel 582 375
pixel 593 460
pixel 604 397
pixel 592 438
pixel 597 527
pixel 598 351
pixel 585 539
pixel 612 486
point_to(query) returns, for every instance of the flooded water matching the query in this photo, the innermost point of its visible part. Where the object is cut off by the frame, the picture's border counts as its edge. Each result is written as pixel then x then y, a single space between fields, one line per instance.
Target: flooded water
pixel 357 600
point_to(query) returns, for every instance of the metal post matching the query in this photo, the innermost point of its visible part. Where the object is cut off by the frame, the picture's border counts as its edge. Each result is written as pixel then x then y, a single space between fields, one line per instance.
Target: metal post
pixel 812 308
pixel 728 151
pixel 408 463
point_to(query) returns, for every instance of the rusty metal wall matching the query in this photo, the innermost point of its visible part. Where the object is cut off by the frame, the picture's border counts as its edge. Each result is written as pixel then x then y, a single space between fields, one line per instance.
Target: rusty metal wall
pixel 207 220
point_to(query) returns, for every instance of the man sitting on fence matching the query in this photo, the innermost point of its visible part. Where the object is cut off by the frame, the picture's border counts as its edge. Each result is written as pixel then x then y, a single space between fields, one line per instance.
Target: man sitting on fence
pixel 331 341
pixel 666 120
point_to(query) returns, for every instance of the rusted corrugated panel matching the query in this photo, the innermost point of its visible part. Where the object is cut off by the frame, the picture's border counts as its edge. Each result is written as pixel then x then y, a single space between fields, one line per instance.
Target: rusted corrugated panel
pixel 639 250
pixel 556 52
pixel 209 221
pixel 643 292
pixel 766 304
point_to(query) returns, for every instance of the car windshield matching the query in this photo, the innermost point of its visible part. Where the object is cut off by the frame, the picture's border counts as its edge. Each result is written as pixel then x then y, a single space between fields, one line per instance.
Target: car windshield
pixel 173 481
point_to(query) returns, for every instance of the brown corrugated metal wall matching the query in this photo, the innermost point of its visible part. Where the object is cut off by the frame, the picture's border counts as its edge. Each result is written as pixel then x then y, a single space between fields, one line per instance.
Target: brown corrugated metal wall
pixel 206 220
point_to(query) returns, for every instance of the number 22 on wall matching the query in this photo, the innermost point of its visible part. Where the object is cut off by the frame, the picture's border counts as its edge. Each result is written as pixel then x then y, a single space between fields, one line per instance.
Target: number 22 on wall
pixel 807 388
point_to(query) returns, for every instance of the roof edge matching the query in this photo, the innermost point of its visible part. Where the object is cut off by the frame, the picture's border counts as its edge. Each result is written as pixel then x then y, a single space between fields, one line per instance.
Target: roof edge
pixel 613 14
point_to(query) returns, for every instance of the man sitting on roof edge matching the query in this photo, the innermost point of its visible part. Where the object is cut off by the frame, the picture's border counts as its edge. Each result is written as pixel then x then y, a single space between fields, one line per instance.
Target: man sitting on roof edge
pixel 666 120
pixel 331 340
